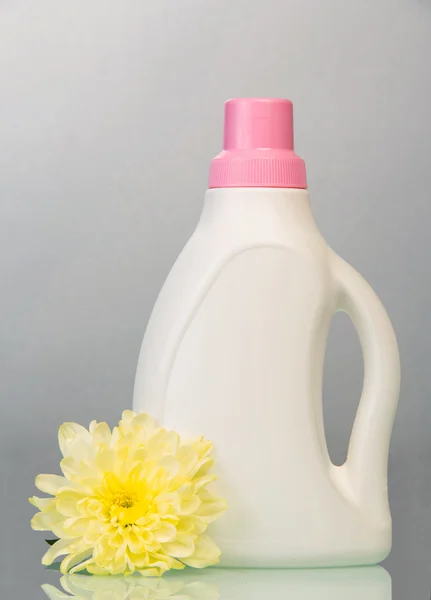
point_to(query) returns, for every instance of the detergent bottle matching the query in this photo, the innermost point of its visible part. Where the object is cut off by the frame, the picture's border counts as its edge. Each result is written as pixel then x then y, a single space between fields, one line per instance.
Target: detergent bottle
pixel 234 351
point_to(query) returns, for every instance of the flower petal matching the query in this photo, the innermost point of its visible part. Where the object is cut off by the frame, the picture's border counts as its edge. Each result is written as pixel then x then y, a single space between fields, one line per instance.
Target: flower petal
pixel 211 507
pixel 200 482
pixel 188 457
pixel 206 553
pixel 50 484
pixel 69 466
pixel 119 563
pixel 74 559
pixel 102 433
pixel 205 464
pixel 162 562
pixel 191 524
pixel 158 444
pixel 140 560
pixel 170 465
pixel 190 505
pixel 76 526
pixel 128 415
pixel 93 533
pixel 105 460
pixel 181 547
pixel 46 521
pixel 165 533
pixel 57 529
pixel 203 447
pixel 125 425
pixel 42 503
pixel 96 569
pixel 147 423
pixel 67 503
pixel 81 566
pixel 60 547
pixel 189 501
pixel 75 440
pixel 136 543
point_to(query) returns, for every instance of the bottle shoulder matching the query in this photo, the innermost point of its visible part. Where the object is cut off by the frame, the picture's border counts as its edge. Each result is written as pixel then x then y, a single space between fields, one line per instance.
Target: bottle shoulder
pixel 205 257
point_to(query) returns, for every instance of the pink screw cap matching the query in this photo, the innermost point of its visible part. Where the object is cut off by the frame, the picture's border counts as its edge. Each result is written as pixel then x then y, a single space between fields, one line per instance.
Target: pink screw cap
pixel 258 146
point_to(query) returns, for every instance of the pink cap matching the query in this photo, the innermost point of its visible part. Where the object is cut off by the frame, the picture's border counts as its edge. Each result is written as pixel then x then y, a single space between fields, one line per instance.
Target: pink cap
pixel 258 146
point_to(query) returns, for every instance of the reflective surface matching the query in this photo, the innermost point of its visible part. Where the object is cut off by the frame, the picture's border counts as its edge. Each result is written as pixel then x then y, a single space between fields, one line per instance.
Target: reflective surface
pixel 366 583
pixel 360 583
pixel 405 575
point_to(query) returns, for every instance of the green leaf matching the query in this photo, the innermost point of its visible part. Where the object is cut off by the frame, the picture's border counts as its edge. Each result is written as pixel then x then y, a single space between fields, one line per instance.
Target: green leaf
pixel 51 542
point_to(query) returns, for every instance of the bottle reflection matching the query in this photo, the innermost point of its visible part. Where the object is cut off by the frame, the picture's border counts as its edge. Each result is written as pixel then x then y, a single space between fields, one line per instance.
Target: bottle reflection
pixel 361 583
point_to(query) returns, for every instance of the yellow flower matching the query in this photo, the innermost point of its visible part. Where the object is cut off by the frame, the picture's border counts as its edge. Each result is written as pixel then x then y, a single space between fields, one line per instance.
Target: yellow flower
pixel 131 500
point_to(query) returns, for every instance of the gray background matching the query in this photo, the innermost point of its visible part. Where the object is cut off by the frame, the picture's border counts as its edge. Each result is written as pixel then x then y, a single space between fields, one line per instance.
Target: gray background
pixel 110 112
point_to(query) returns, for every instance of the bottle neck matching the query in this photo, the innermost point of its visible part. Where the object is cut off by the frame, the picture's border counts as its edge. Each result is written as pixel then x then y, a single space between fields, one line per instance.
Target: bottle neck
pixel 257 207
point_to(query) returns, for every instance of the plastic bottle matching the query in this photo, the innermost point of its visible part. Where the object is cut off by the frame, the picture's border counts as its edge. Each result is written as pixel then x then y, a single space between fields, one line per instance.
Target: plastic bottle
pixel 234 351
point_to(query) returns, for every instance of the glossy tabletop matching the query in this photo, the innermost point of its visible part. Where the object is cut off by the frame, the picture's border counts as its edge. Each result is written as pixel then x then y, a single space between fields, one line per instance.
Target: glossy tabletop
pixel 398 581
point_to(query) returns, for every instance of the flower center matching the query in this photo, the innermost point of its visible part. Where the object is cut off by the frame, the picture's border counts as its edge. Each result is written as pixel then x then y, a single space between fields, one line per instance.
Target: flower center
pixel 123 500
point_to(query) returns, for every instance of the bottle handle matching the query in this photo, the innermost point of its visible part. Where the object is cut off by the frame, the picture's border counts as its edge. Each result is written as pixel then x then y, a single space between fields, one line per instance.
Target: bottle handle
pixel 365 470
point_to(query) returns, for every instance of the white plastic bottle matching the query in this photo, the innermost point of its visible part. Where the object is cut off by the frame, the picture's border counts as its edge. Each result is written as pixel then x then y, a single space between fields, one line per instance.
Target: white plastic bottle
pixel 234 351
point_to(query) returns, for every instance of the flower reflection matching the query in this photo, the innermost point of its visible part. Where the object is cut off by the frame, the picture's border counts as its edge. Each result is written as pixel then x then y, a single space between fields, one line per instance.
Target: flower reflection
pixel 87 587
pixel 356 583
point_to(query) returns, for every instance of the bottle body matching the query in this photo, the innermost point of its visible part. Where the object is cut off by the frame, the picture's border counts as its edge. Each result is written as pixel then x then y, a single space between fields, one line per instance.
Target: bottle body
pixel 234 351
